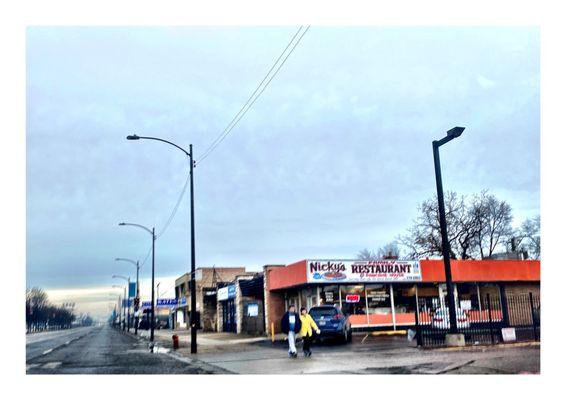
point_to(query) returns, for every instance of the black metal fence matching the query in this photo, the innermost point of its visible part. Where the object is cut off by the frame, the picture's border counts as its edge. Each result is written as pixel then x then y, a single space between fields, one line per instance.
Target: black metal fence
pixel 489 320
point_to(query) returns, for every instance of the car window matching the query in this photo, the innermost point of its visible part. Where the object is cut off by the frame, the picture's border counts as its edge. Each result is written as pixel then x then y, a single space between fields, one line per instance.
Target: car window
pixel 323 312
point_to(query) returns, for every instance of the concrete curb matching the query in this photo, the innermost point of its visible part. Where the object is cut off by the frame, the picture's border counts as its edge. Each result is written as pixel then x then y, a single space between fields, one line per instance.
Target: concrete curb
pixel 204 366
pixel 485 346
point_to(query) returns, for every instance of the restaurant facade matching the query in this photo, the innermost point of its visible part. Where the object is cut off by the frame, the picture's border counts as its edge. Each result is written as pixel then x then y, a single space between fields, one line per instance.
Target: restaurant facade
pixel 384 294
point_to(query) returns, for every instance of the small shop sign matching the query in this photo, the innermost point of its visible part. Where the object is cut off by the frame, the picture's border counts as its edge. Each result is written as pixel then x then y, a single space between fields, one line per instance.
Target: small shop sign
pixel 352 298
pixel 253 309
pixel 227 292
pixel 363 271
pixel 166 303
pixel 508 334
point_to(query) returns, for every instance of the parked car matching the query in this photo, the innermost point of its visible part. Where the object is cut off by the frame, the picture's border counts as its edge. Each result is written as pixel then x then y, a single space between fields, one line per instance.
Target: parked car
pixel 441 319
pixel 332 323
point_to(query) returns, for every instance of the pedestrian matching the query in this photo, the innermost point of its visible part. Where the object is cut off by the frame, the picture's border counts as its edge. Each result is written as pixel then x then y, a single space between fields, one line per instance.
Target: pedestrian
pixel 291 325
pixel 307 326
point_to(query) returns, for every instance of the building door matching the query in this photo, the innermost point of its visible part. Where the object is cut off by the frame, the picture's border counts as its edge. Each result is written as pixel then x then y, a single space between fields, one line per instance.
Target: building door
pixel 229 316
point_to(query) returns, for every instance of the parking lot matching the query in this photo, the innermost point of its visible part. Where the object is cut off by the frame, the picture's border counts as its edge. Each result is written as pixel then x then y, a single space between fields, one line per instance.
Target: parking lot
pixel 366 354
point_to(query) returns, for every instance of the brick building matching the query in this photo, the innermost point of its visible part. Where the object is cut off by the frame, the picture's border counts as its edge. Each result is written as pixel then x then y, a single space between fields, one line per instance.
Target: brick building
pixel 208 280
pixel 240 305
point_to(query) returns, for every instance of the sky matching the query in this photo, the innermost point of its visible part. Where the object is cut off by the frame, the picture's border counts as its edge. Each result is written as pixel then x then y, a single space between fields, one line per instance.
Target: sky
pixel 334 157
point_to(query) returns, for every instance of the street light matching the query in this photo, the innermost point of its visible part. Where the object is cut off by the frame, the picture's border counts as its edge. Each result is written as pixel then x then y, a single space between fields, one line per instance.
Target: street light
pixel 126 296
pixel 137 298
pixel 152 233
pixel 192 318
pixel 451 134
pixel 121 304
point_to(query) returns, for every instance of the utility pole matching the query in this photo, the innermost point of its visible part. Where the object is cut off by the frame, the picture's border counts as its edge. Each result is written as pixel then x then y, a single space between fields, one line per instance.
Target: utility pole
pixel 193 285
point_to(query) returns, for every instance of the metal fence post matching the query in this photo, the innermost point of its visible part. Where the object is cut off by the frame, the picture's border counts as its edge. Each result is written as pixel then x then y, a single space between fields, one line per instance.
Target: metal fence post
pixel 533 315
pixel 417 325
pixel 490 319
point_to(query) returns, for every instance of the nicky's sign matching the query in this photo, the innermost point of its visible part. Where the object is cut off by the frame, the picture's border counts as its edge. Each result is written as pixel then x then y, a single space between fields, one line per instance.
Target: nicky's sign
pixel 363 271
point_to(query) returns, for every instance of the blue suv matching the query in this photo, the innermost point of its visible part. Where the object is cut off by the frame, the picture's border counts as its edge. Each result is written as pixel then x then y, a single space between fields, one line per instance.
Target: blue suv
pixel 332 323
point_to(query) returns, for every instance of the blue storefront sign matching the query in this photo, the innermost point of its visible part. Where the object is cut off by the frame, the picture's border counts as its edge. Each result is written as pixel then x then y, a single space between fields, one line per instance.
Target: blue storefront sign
pixel 227 292
pixel 167 303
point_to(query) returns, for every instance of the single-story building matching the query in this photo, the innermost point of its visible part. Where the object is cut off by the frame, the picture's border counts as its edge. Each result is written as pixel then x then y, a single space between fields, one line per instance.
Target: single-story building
pixel 240 306
pixel 384 294
pixel 207 281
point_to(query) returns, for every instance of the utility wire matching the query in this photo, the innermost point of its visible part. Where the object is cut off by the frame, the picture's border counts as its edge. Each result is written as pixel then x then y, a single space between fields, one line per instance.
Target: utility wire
pixel 176 206
pixel 249 104
pixel 253 94
pixel 173 213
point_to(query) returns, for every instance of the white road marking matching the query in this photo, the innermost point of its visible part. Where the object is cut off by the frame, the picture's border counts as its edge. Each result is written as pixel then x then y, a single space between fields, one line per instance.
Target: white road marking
pixel 47 351
pixel 52 365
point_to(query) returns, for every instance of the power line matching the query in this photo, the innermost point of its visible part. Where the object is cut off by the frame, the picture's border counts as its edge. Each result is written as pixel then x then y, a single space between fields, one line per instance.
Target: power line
pixel 176 206
pixel 249 104
pixel 253 94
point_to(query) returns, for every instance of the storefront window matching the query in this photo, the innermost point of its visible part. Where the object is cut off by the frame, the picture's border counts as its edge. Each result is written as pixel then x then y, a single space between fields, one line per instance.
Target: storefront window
pixel 379 305
pixel 292 299
pixel 404 298
pixel 329 295
pixel 353 300
pixel 308 298
pixel 428 297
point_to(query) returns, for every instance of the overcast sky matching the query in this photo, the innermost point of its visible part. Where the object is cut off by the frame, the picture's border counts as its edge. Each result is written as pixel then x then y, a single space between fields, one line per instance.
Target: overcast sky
pixel 334 157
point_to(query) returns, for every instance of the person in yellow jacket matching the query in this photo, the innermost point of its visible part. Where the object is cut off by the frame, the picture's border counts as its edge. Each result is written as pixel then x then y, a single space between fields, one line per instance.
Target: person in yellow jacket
pixel 307 326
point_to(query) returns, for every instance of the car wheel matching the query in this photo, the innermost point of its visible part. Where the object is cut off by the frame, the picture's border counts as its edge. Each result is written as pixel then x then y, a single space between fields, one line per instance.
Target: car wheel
pixel 349 336
pixel 345 336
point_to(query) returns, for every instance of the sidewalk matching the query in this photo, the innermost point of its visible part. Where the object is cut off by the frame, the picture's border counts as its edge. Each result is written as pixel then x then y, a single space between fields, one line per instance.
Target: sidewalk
pixel 386 354
pixel 208 342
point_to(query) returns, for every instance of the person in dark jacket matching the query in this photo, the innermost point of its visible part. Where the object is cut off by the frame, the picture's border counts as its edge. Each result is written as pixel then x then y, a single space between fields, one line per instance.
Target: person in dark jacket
pixel 291 325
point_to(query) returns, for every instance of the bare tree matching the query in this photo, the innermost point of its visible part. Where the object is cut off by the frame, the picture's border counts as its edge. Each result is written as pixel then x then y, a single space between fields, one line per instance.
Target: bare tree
pixel 424 237
pixel 40 314
pixel 528 237
pixel 367 255
pixel 391 249
pixel 495 217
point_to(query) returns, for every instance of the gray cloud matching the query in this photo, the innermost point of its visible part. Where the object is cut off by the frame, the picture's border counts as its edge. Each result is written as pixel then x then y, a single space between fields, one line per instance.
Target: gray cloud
pixel 334 157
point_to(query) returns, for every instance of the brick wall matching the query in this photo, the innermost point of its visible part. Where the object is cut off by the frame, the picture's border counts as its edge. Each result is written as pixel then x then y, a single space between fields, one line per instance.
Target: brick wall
pixel 274 302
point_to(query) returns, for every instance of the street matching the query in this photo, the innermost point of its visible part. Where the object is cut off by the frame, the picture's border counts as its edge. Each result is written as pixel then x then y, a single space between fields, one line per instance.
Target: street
pixel 103 350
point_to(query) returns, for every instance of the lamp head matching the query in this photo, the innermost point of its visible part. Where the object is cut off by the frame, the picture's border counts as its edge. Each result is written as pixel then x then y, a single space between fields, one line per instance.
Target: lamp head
pixel 133 137
pixel 121 224
pixel 455 132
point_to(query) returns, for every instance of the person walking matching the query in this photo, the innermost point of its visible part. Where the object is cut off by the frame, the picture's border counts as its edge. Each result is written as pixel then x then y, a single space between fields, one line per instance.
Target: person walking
pixel 291 325
pixel 307 326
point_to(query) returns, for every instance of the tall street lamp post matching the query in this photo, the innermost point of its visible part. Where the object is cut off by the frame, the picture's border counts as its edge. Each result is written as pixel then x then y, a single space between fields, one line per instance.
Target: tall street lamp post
pixel 192 318
pixel 137 299
pixel 126 296
pixel 152 321
pixel 451 134
pixel 122 312
pixel 117 312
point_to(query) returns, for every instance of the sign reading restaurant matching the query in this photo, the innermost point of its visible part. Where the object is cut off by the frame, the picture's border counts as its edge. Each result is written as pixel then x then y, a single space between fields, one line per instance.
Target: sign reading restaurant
pixel 363 271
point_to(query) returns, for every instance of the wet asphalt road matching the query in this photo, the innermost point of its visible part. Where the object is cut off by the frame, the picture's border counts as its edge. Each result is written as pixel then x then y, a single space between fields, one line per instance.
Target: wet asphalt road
pixel 104 350
pixel 44 342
